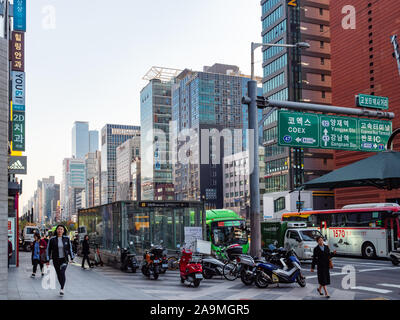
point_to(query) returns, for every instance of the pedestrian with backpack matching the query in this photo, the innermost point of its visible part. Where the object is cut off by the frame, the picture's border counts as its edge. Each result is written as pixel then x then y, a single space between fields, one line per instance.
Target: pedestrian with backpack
pixel 36 257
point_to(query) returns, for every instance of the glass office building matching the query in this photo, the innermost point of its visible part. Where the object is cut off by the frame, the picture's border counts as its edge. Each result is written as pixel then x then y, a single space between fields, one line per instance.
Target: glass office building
pixel 143 223
pixel 155 117
pixel 80 139
pixel 208 100
pixel 303 76
pixel 112 135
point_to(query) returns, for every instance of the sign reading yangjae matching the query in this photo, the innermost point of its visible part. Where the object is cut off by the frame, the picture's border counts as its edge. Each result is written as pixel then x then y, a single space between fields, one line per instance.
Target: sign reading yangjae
pixel 367 101
pixel 307 130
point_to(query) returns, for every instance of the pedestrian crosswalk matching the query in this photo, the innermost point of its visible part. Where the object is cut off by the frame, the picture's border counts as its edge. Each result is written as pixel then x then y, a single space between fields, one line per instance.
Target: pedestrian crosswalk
pixel 169 286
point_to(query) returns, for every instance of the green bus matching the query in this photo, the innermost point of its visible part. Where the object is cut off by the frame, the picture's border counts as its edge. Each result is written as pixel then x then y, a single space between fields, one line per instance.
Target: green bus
pixel 226 227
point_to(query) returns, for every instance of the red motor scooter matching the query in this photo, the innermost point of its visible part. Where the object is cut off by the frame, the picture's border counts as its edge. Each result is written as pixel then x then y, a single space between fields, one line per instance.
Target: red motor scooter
pixel 191 270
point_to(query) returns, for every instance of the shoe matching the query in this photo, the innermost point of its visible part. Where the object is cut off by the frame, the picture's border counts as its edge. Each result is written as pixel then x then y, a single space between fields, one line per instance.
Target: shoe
pixel 83 268
pixel 42 274
pixel 61 292
pixel 328 296
pixel 319 291
pixel 33 275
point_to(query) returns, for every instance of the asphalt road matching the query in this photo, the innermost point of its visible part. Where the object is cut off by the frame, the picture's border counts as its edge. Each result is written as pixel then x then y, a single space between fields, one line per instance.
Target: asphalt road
pixel 374 279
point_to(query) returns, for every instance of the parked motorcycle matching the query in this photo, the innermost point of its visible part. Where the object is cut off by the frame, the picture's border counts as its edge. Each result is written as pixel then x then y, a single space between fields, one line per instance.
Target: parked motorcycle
pixel 164 260
pixel 268 273
pixel 128 260
pixel 152 260
pixel 190 269
pixel 212 267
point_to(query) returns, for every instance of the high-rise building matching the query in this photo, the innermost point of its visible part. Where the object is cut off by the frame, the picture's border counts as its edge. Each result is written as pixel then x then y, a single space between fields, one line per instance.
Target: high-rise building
pixel 363 62
pixel 93 180
pixel 295 75
pixel 74 177
pixel 93 141
pixel 80 139
pixel 208 100
pixel 126 155
pixel 136 179
pixel 236 173
pixel 111 137
pixel 83 140
pixel 155 117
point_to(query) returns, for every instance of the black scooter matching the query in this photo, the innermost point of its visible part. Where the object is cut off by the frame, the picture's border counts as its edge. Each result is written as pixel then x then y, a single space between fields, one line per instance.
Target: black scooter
pixel 128 260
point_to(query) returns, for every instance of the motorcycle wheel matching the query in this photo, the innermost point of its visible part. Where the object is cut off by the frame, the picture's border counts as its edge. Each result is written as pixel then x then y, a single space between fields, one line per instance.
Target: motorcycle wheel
pixel 207 274
pixel 145 271
pixel 260 281
pixel 196 283
pixel 230 271
pixel 395 261
pixel 301 280
pixel 173 263
pixel 246 279
pixel 134 269
pixel 155 275
pixel 182 280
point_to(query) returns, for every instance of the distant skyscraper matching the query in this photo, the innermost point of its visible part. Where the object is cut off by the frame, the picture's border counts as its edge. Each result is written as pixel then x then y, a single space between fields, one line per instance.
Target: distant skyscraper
pixel 80 139
pixel 111 137
pixel 93 141
pixel 73 179
pixel 83 140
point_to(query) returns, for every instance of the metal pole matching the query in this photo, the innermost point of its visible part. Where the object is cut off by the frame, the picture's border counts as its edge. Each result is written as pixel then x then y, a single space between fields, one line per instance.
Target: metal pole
pixel 329 109
pixel 252 61
pixel 255 245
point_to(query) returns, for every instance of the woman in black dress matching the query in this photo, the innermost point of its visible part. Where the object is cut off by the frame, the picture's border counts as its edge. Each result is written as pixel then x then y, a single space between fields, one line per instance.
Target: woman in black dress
pixel 321 258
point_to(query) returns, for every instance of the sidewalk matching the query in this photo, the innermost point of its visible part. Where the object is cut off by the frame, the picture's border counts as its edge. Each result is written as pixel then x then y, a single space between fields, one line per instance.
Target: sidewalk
pixel 80 285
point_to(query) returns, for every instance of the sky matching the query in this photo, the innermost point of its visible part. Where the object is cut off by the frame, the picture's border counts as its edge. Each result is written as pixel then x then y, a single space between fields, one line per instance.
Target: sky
pixel 85 61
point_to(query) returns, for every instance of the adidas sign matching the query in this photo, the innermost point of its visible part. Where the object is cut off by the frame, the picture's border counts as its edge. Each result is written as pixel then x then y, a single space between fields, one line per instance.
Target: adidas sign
pixel 17 166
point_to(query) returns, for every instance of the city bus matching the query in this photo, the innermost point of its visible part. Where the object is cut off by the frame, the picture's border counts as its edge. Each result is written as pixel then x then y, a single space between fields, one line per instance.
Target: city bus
pixel 368 230
pixel 226 227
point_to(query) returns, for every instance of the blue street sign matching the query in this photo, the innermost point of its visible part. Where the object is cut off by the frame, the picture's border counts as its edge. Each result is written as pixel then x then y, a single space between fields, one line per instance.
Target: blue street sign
pixel 20 15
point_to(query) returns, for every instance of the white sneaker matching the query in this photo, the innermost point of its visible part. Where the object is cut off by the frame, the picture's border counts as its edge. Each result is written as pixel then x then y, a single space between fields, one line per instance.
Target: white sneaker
pixel 61 292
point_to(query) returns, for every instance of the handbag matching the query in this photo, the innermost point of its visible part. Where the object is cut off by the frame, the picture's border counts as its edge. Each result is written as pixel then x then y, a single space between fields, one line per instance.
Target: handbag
pixel 43 257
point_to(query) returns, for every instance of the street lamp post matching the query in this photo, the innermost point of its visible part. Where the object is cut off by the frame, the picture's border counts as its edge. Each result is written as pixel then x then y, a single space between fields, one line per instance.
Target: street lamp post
pixel 251 101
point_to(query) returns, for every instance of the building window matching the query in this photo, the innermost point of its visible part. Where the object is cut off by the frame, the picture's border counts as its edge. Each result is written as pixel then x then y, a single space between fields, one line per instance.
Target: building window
pixel 323 95
pixel 322 77
pixel 321 11
pixel 321 28
pixel 322 61
pixel 321 44
pixel 279 204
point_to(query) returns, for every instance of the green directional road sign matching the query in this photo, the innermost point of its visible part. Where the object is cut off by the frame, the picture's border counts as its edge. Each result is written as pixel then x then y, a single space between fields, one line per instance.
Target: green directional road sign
pixel 338 132
pixel 307 130
pixel 374 134
pixel 298 129
pixel 367 101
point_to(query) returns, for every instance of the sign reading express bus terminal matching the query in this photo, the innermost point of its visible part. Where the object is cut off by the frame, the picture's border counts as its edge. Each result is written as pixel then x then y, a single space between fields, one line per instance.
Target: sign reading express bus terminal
pixel 307 130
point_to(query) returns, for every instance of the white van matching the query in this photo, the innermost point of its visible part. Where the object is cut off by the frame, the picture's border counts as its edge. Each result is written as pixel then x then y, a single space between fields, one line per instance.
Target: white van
pixel 302 241
pixel 27 236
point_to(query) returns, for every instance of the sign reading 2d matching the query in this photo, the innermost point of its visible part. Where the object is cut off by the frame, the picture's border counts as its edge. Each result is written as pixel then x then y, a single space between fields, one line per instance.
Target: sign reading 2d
pixel 309 130
pixel 18 131
pixel 18 90
pixel 19 13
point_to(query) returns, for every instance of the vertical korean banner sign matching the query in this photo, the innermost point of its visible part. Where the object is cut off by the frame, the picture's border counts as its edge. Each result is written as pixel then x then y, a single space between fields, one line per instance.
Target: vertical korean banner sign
pixel 18 90
pixel 18 51
pixel 19 13
pixel 18 130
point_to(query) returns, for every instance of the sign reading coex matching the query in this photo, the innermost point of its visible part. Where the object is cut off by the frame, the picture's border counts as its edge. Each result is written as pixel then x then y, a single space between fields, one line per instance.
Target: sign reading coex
pixel 308 130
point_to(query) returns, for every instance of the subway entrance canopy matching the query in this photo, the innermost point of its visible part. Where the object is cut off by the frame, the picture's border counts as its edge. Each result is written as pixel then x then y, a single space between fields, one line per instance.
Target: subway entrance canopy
pixel 139 224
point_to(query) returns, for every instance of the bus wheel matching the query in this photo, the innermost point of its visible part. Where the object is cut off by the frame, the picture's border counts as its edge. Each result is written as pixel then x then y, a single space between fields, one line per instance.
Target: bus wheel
pixel 368 250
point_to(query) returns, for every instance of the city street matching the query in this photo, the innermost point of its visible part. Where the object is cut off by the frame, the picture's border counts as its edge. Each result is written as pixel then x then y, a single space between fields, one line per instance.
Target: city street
pixel 375 279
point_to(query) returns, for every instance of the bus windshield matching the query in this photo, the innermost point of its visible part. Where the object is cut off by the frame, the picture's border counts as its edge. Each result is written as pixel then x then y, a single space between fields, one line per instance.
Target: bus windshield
pixel 229 232
pixel 310 235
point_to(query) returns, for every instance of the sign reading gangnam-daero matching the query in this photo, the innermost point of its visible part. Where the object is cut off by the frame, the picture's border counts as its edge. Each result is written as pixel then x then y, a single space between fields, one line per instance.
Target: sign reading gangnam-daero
pixel 308 130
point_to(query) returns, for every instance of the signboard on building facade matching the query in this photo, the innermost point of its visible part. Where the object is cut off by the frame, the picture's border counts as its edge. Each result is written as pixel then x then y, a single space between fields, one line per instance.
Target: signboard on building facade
pixel 332 132
pixel 17 165
pixel 367 101
pixel 18 90
pixel 17 51
pixel 18 130
pixel 19 13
